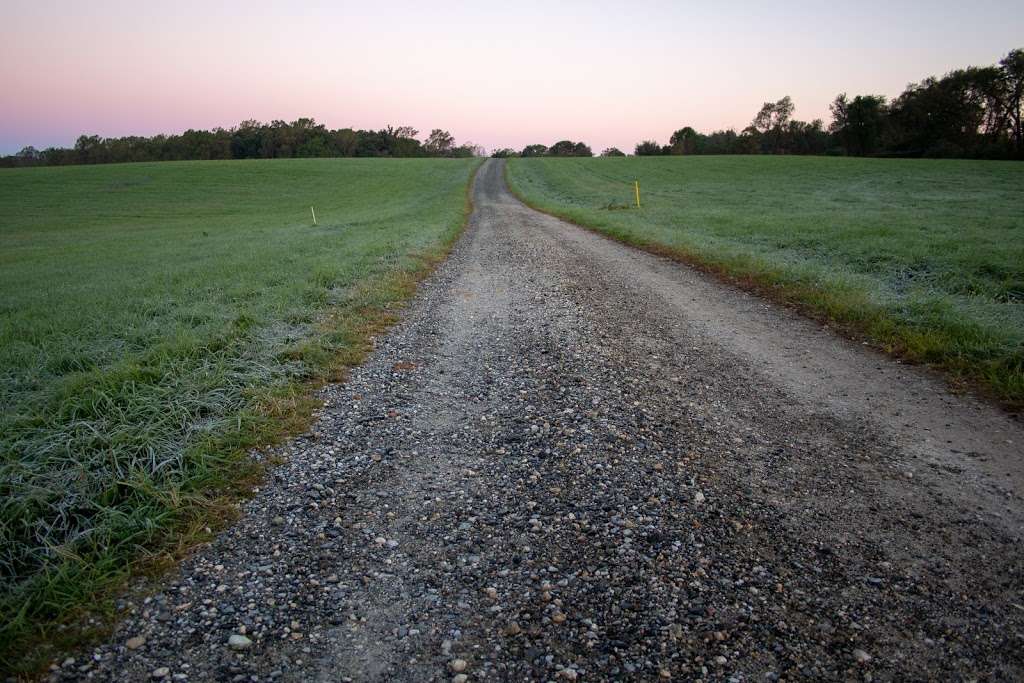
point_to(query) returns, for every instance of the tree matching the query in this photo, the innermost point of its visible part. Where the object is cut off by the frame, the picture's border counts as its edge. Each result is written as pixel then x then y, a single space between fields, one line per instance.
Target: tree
pixel 1012 66
pixel 89 149
pixel 728 142
pixel 402 142
pixel 582 150
pixel 613 152
pixel 28 153
pixel 807 138
pixel 246 140
pixel 858 124
pixel 683 141
pixel 468 149
pixel 439 143
pixel 504 153
pixel 647 148
pixel 344 142
pixel 534 151
pixel 563 148
pixel 771 123
pixel 940 117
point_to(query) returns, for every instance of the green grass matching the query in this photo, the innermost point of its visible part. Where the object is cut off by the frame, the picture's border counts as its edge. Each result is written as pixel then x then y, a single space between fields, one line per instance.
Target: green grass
pixel 926 257
pixel 156 320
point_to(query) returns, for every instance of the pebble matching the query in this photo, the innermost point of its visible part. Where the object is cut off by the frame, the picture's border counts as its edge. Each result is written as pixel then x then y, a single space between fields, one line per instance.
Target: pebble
pixel 458 665
pixel 162 672
pixel 861 656
pixel 135 643
pixel 239 642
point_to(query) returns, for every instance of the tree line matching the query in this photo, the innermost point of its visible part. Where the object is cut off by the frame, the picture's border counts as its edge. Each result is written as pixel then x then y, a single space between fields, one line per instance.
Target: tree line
pixel 303 138
pixel 562 148
pixel 773 131
pixel 974 112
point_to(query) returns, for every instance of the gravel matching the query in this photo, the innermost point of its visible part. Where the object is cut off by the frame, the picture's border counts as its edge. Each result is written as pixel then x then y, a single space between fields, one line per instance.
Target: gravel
pixel 573 461
pixel 239 642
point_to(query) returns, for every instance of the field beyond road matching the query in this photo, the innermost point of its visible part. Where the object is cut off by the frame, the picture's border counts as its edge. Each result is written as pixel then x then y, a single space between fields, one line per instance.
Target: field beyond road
pixel 158 319
pixel 925 257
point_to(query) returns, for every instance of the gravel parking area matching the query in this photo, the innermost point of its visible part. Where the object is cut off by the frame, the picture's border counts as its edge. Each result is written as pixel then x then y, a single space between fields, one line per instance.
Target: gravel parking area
pixel 572 461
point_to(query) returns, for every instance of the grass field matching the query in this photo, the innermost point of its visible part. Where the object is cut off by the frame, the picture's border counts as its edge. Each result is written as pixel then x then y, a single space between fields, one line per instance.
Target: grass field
pixel 158 319
pixel 925 257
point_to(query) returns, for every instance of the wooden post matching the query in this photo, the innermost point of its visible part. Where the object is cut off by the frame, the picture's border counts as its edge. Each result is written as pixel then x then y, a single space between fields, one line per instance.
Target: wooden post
pixel 636 184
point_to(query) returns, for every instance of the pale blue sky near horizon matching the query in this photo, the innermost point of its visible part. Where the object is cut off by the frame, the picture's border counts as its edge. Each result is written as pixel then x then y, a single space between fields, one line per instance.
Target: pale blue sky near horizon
pixel 608 73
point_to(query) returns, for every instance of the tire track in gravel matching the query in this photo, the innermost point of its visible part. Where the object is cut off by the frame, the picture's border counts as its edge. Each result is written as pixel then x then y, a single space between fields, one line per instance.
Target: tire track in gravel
pixel 576 461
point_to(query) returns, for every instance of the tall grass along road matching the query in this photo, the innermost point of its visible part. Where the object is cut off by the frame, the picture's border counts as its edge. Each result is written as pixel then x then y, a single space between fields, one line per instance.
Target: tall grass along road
pixel 158 319
pixel 925 257
pixel 572 460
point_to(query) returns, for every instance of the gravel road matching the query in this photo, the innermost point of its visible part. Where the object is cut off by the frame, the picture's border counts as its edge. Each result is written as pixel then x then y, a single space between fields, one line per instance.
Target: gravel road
pixel 576 461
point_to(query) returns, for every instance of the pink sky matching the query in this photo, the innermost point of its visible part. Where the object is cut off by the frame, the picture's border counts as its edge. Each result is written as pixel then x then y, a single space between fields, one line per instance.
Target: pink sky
pixel 494 73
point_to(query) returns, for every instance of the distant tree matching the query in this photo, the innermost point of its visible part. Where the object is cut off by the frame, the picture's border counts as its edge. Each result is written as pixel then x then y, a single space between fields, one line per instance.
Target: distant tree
pixel 369 144
pixel 807 138
pixel 29 154
pixel 401 141
pixel 945 117
pixel 582 150
pixel 771 123
pixel 344 142
pixel 504 153
pixel 59 156
pixel 858 124
pixel 683 141
pixel 562 148
pixel 1012 67
pixel 647 148
pixel 468 149
pixel 534 151
pixel 246 140
pixel 440 143
pixel 613 152
pixel 89 149
pixel 727 142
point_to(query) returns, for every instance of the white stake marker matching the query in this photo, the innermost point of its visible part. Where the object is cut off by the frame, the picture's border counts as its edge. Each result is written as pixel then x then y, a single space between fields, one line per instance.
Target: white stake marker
pixel 311 210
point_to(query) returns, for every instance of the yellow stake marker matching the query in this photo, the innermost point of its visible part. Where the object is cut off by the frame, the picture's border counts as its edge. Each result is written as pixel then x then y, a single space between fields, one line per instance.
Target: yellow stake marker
pixel 314 214
pixel 636 183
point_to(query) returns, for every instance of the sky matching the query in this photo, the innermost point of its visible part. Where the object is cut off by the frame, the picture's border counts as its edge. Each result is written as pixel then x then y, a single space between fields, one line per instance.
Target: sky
pixel 499 74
